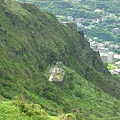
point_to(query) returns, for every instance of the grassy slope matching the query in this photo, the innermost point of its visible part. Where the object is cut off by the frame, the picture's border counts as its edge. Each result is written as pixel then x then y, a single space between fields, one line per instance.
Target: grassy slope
pixel 83 99
pixel 30 40
pixel 19 110
pixel 22 111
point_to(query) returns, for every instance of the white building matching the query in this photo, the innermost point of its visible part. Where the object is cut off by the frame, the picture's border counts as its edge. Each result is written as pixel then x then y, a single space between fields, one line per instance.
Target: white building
pixel 113 72
pixel 117 65
pixel 117 56
pixel 107 57
pixel 117 71
pixel 104 57
pixel 110 57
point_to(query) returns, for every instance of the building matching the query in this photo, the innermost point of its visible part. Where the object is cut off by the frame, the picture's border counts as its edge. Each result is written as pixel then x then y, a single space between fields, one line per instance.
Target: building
pixel 104 58
pixel 107 57
pixel 117 65
pixel 117 30
pixel 117 56
pixel 97 10
pixel 113 72
pixel 110 57
pixel 69 18
pixel 117 71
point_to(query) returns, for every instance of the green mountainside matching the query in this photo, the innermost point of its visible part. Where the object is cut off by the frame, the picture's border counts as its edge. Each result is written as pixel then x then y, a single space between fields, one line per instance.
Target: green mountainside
pixel 31 41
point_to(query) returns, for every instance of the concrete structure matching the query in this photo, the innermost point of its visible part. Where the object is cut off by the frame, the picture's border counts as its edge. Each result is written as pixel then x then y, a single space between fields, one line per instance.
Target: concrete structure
pixel 117 65
pixel 57 73
pixel 117 56
pixel 117 30
pixel 104 58
pixel 110 57
pixel 107 57
pixel 118 71
pixel 113 72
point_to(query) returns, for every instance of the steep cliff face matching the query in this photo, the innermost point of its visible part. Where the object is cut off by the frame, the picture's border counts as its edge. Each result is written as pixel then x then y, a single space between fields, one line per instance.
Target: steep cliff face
pixel 30 40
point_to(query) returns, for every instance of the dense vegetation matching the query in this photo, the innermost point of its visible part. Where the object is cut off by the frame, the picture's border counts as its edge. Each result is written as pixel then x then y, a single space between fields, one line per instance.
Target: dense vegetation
pixel 17 109
pixel 30 42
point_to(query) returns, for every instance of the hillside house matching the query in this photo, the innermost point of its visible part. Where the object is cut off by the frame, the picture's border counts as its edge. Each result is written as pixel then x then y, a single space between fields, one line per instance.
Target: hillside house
pixel 117 71
pixel 117 65
pixel 104 58
pixel 117 30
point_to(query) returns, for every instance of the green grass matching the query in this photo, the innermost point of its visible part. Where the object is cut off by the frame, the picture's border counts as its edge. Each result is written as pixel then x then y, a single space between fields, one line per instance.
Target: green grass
pixel 19 110
pixel 9 111
pixel 111 66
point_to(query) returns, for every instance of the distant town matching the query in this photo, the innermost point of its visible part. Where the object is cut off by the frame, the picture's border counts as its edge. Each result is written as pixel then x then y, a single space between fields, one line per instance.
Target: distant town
pixel 88 23
pixel 107 55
